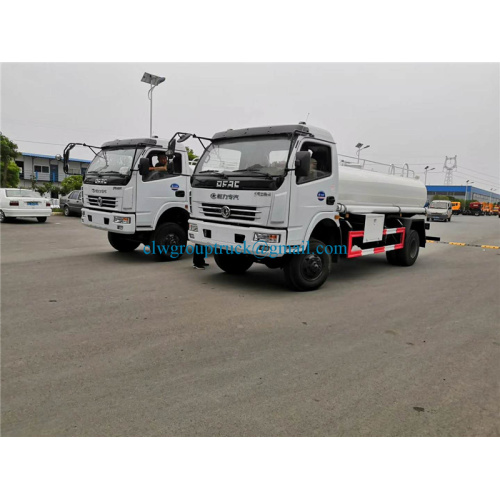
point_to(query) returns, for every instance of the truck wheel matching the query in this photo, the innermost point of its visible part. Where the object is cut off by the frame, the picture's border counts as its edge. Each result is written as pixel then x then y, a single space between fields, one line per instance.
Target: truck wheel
pixel 121 243
pixel 41 219
pixel 170 242
pixel 233 263
pixel 409 253
pixel 304 272
pixel 67 211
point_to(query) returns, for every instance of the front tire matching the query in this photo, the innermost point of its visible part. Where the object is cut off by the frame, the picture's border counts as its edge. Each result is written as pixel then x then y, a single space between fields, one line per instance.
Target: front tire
pixel 67 211
pixel 170 242
pixel 308 271
pixel 233 263
pixel 41 219
pixel 122 244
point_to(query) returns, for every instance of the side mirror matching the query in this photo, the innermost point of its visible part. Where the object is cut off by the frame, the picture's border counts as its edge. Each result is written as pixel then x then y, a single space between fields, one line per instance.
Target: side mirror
pixel 65 162
pixel 144 166
pixel 171 148
pixel 302 163
pixel 184 137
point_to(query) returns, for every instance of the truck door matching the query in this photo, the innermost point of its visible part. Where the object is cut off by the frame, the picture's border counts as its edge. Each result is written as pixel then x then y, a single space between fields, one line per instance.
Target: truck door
pixel 315 193
pixel 159 188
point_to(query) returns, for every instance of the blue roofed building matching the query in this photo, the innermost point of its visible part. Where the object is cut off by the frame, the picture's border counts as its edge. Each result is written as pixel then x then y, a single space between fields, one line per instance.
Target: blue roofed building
pixel 45 168
pixel 473 193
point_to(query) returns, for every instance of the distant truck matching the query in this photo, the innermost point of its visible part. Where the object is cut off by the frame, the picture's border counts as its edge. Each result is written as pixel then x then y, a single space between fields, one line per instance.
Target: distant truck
pixel 487 208
pixel 280 193
pixel 475 208
pixel 127 194
pixel 456 207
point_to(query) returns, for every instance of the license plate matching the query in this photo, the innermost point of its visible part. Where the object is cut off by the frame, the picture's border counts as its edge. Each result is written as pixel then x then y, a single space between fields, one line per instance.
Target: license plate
pixel 32 203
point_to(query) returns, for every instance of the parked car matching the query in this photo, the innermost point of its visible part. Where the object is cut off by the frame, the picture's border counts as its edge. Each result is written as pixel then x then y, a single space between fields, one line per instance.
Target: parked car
pixel 440 210
pixel 72 204
pixel 16 202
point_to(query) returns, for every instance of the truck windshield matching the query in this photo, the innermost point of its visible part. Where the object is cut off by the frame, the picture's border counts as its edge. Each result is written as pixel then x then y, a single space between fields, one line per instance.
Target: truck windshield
pixel 251 156
pixel 113 161
pixel 439 204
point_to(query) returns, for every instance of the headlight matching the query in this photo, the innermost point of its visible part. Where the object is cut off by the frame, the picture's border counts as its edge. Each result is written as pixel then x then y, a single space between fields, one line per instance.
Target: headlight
pixel 269 238
pixel 193 227
pixel 121 220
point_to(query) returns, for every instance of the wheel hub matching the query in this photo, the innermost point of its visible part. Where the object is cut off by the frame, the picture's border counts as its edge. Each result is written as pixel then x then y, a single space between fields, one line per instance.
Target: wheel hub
pixel 312 267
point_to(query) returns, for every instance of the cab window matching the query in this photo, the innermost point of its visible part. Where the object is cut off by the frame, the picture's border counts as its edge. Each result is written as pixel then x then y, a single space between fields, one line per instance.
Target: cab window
pixel 321 162
pixel 157 159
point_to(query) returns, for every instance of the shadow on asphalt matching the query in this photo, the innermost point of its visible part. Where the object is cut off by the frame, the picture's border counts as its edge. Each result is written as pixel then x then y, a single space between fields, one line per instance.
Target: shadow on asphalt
pixel 258 277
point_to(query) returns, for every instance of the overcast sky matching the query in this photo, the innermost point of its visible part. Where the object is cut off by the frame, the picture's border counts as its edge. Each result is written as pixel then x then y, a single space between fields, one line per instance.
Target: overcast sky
pixel 415 113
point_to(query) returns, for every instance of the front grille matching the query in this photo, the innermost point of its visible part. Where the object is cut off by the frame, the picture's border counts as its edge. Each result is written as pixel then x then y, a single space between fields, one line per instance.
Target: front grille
pixel 102 201
pixel 237 212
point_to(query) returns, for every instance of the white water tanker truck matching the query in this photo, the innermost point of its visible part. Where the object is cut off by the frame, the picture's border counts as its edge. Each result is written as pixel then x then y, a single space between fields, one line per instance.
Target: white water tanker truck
pixel 276 195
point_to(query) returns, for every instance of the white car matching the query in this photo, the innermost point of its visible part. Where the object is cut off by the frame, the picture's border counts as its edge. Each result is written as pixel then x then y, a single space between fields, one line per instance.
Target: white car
pixel 16 202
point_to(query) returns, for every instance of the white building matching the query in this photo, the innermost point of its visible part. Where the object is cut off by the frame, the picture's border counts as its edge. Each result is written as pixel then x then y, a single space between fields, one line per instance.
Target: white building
pixel 45 168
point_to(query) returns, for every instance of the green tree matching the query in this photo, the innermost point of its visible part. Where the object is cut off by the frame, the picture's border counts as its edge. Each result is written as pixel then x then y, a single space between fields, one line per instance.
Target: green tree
pixel 41 188
pixel 71 183
pixel 191 155
pixel 8 153
pixel 12 177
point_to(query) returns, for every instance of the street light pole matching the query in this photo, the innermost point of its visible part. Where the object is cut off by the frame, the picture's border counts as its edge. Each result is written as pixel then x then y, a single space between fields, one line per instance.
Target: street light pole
pixel 466 187
pixel 426 169
pixel 359 147
pixel 153 81
pixel 491 194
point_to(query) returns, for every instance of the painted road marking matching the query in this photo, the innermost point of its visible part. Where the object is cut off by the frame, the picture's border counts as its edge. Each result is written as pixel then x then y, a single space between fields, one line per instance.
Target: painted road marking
pixel 491 247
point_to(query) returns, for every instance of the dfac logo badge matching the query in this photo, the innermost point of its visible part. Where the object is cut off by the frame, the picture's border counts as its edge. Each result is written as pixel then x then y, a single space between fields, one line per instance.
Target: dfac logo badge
pixel 321 196
pixel 174 187
pixel 225 212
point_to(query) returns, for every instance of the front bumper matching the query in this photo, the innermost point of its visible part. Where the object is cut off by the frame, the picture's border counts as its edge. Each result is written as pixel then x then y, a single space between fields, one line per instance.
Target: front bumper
pixel 105 221
pixel 437 216
pixel 26 212
pixel 237 239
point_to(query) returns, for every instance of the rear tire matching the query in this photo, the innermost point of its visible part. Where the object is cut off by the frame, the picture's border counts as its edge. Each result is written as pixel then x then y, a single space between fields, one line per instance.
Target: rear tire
pixel 166 236
pixel 233 263
pixel 41 219
pixel 122 244
pixel 308 271
pixel 67 211
pixel 407 255
pixel 2 217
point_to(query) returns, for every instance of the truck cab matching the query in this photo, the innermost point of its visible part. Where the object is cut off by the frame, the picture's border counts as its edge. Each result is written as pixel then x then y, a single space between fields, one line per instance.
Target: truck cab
pixel 137 197
pixel 456 207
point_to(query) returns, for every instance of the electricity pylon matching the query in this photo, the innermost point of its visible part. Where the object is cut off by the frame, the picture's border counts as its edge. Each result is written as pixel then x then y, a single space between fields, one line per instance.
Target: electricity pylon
pixel 448 169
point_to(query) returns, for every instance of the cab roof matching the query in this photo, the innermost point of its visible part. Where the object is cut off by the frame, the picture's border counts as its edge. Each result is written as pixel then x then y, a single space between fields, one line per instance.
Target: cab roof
pixel 140 141
pixel 302 129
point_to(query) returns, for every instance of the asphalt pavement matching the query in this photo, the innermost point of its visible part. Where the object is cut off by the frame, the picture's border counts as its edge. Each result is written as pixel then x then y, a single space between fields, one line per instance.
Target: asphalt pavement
pixel 99 343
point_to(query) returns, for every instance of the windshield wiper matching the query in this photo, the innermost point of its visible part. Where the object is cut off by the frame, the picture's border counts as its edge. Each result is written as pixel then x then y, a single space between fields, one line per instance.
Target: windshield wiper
pixel 112 172
pixel 212 172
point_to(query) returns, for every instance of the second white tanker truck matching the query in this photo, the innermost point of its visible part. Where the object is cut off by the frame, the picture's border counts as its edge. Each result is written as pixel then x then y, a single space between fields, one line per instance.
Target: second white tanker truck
pixel 277 195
